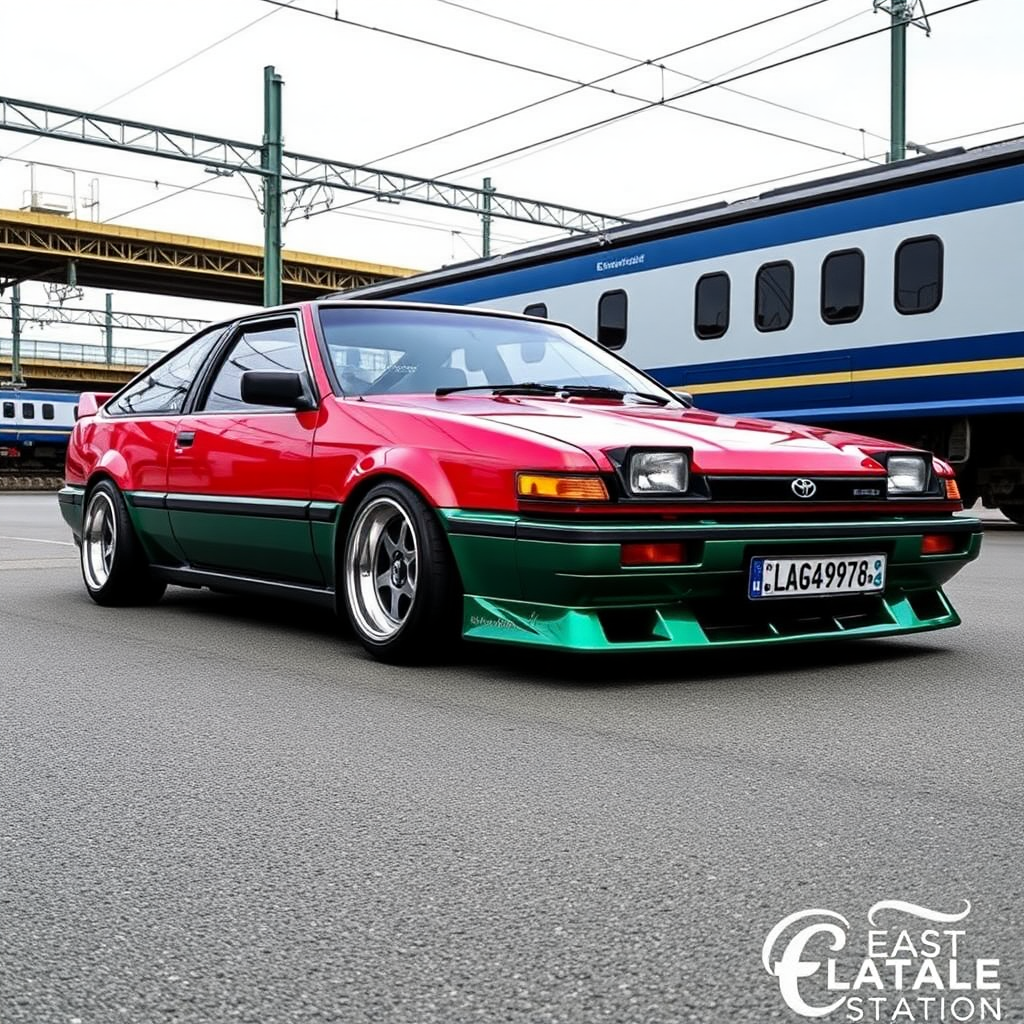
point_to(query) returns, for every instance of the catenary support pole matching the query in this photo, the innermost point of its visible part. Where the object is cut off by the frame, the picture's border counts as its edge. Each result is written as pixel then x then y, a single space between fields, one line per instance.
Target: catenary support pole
pixel 486 217
pixel 16 377
pixel 108 327
pixel 273 148
pixel 899 12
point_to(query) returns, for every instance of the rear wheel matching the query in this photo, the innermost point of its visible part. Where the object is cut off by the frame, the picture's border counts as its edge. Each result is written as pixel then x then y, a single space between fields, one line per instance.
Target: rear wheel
pixel 400 582
pixel 114 566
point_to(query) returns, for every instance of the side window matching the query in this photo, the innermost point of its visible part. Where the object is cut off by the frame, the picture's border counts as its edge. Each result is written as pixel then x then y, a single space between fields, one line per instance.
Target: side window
pixel 711 306
pixel 8 410
pixel 163 389
pixel 47 410
pixel 537 309
pixel 918 275
pixel 611 319
pixel 28 411
pixel 773 296
pixel 258 347
pixel 842 286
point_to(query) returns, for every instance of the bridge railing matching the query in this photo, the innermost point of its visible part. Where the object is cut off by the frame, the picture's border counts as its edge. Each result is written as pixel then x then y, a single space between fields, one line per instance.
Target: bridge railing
pixel 73 352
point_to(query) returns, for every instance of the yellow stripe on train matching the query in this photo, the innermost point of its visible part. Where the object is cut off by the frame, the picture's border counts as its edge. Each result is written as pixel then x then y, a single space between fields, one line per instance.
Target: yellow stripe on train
pixel 854 376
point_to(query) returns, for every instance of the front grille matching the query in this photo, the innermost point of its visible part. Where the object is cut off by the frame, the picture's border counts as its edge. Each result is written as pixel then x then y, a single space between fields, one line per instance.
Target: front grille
pixel 781 489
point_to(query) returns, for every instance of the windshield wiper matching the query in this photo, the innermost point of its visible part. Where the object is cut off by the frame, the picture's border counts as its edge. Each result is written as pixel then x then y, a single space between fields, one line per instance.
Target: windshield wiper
pixel 529 388
pixel 598 391
pixel 571 390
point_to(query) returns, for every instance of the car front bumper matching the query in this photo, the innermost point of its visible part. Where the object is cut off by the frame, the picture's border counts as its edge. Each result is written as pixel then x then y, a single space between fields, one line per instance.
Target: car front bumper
pixel 561 584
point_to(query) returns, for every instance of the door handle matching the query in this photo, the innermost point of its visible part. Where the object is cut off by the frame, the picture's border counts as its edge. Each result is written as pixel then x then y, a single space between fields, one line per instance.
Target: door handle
pixel 185 438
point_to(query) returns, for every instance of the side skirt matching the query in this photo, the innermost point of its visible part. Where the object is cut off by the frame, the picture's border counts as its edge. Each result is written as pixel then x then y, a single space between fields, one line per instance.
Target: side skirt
pixel 319 596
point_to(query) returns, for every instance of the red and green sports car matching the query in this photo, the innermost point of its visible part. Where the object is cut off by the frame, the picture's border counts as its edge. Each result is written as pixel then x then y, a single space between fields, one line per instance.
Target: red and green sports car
pixel 437 472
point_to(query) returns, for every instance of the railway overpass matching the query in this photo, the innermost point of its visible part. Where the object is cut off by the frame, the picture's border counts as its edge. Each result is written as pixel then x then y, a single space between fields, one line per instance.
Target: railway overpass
pixel 41 246
pixel 51 247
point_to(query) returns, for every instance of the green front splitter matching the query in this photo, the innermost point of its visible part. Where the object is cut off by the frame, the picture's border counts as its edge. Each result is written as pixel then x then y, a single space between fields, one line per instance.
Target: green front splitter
pixel 562 585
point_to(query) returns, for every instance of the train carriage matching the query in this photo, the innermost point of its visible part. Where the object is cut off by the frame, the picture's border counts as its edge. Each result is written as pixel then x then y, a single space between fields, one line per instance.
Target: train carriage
pixel 35 426
pixel 885 301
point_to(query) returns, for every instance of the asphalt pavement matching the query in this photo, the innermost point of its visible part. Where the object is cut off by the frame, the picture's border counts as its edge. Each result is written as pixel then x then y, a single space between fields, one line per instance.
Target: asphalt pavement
pixel 222 810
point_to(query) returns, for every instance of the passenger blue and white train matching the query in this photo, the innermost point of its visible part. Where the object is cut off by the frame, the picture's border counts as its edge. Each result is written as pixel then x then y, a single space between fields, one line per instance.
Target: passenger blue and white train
pixel 34 429
pixel 889 300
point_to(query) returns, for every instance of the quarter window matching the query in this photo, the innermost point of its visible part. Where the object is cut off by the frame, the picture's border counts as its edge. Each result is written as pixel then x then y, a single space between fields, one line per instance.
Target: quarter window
pixel 47 411
pixel 537 309
pixel 28 411
pixel 163 389
pixel 918 275
pixel 611 319
pixel 842 286
pixel 711 306
pixel 773 296
pixel 259 347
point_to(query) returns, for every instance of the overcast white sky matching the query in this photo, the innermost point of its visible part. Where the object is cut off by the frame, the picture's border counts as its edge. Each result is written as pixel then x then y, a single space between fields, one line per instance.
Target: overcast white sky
pixel 367 97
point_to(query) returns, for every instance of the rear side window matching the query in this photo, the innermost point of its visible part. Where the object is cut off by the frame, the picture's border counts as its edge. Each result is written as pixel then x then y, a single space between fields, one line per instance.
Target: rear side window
pixel 164 388
pixel 611 319
pixel 8 410
pixel 773 296
pixel 537 309
pixel 47 411
pixel 711 306
pixel 28 411
pixel 259 347
pixel 918 275
pixel 842 286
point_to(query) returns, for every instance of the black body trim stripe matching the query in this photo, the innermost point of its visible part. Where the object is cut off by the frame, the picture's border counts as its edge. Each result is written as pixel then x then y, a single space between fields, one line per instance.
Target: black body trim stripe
pixel 70 496
pixel 319 596
pixel 753 532
pixel 231 507
pixel 315 511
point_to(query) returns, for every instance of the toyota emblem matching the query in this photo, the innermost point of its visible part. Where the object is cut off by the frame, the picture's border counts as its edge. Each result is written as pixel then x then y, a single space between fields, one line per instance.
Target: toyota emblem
pixel 804 488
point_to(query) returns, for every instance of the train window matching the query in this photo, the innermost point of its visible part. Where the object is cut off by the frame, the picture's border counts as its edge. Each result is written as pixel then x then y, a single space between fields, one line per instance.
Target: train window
pixel 47 410
pixel 773 296
pixel 918 275
pixel 842 286
pixel 28 410
pixel 163 389
pixel 536 309
pixel 611 319
pixel 711 306
pixel 8 410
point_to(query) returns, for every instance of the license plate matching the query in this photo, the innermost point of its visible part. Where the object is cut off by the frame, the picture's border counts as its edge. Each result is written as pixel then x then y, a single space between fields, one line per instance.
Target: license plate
pixel 810 577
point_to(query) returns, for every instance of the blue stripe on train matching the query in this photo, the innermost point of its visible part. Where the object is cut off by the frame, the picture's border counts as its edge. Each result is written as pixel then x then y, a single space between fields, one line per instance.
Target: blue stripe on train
pixel 934 199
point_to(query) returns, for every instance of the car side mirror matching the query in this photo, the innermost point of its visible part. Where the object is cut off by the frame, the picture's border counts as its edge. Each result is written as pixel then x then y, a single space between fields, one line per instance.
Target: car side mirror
pixel 285 389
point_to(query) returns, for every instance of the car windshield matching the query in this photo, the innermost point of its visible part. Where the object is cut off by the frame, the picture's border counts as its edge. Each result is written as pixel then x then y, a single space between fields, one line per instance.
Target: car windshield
pixel 403 351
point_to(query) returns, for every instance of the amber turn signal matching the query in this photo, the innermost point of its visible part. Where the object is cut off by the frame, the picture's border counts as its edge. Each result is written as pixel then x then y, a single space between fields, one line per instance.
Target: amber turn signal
pixel 938 544
pixel 653 554
pixel 952 489
pixel 564 488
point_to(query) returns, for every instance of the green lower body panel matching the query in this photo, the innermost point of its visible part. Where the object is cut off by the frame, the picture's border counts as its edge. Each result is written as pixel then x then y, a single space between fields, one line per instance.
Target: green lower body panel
pixel 563 585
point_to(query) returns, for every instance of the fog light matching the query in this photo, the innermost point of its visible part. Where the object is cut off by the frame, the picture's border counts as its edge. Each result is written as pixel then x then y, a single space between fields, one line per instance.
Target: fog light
pixel 938 544
pixel 654 554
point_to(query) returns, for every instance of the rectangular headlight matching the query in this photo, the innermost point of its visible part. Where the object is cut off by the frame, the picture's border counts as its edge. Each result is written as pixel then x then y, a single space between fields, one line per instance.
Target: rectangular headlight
pixel 908 474
pixel 658 473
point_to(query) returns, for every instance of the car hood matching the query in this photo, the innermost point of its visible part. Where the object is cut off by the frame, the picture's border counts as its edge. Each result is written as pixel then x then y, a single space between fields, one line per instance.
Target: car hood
pixel 719 443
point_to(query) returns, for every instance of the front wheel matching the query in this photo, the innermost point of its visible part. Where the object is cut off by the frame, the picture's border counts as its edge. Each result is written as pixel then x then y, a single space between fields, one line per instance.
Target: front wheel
pixel 114 567
pixel 400 582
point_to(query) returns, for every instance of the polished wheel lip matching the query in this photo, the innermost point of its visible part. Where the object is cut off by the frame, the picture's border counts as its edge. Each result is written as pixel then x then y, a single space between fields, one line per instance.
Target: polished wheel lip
pixel 381 569
pixel 99 540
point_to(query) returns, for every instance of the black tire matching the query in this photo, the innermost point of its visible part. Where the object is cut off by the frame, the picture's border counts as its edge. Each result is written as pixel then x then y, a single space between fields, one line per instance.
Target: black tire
pixel 1015 513
pixel 114 566
pixel 401 588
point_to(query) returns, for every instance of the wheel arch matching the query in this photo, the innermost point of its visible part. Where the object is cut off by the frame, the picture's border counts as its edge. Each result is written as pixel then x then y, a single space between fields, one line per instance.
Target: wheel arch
pixel 354 499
